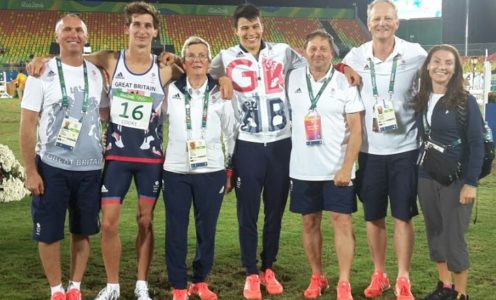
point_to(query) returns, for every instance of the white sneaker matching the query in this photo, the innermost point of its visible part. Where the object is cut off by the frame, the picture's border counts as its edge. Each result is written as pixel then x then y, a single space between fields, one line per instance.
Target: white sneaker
pixel 108 294
pixel 142 293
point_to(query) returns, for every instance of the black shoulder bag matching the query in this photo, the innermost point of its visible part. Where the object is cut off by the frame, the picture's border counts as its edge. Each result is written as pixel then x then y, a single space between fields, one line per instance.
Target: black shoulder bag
pixel 434 159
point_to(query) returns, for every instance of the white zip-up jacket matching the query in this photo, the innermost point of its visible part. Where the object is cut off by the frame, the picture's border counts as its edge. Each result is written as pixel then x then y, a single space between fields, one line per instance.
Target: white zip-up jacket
pixel 221 125
pixel 260 106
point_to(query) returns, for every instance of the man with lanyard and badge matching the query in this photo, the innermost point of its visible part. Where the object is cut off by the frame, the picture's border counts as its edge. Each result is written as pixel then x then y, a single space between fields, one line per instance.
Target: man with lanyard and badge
pixel 64 172
pixel 326 136
pixel 261 159
pixel 194 173
pixel 387 162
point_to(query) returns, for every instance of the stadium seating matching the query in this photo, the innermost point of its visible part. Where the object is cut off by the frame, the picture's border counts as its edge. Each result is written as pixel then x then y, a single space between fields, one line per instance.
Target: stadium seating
pixel 25 33
pixel 106 30
pixel 350 32
pixel 216 30
pixel 290 30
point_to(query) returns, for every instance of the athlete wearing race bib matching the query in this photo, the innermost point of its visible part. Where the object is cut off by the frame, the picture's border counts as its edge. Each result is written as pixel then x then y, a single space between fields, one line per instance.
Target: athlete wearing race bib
pixel 135 130
pixel 134 143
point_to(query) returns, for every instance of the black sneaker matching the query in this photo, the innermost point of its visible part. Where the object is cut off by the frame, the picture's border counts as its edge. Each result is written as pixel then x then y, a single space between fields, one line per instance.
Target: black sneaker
pixel 441 293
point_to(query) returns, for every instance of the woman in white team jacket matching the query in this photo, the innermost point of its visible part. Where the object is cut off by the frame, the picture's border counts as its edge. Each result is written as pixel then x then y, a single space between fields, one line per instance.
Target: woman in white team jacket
pixel 194 171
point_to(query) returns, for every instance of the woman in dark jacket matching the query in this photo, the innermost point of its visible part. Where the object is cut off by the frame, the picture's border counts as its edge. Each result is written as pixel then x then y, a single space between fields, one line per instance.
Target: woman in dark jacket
pixel 447 207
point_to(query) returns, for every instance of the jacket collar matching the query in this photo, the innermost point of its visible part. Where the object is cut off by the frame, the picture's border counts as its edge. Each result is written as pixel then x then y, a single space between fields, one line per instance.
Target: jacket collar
pixel 182 85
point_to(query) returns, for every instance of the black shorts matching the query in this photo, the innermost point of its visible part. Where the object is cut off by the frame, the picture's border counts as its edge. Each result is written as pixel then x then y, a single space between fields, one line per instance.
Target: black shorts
pixel 117 176
pixel 76 191
pixel 315 196
pixel 394 176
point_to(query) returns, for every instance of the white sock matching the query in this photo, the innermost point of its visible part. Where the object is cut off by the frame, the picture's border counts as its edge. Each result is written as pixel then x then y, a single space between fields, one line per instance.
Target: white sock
pixel 57 288
pixel 74 285
pixel 141 284
pixel 114 286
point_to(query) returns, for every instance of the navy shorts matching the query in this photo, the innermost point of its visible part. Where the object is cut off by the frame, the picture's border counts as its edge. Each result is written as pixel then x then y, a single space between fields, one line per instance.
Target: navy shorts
pixel 315 196
pixel 394 176
pixel 117 176
pixel 78 191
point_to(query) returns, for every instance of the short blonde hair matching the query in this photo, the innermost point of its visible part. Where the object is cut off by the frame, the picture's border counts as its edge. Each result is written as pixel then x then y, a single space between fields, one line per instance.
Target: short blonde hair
pixel 194 40
pixel 371 6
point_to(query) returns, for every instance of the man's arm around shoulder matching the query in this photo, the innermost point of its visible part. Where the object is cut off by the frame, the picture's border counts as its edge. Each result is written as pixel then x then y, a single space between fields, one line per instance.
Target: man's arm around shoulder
pixel 105 59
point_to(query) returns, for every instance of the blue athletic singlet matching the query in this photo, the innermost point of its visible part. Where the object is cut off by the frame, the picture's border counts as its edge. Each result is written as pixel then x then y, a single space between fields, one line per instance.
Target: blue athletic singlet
pixel 135 129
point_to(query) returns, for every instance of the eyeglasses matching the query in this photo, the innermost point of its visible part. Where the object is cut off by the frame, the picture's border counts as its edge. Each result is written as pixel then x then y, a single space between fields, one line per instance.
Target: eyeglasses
pixel 200 57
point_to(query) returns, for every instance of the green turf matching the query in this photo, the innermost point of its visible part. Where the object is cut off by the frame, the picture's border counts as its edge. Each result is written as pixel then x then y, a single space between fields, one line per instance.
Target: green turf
pixel 21 275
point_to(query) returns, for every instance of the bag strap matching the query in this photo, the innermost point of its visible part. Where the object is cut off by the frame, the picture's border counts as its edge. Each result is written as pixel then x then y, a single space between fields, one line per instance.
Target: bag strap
pixel 426 128
pixel 461 121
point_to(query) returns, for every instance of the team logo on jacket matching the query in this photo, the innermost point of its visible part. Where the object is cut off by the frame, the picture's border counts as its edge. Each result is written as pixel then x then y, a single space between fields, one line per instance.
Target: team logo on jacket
pixel 273 72
pixel 51 75
pixel 119 76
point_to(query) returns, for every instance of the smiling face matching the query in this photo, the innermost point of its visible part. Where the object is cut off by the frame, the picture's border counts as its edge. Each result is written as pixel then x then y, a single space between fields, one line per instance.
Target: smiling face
pixel 441 67
pixel 383 22
pixel 141 31
pixel 196 60
pixel 318 53
pixel 71 35
pixel 250 34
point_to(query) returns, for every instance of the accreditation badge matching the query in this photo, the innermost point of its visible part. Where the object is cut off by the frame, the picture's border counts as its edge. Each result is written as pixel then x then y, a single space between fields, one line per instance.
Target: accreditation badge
pixel 313 128
pixel 131 110
pixel 69 133
pixel 197 153
pixel 385 117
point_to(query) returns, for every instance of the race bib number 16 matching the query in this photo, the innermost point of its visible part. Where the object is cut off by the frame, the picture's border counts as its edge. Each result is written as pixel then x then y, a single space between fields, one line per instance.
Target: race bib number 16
pixel 131 110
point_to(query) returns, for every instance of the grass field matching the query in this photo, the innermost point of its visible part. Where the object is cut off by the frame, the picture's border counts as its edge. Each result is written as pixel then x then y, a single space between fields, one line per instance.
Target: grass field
pixel 21 275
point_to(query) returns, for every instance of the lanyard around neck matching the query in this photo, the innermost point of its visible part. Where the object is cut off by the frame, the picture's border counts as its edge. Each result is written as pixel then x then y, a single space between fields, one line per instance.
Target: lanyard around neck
pixel 187 102
pixel 314 100
pixel 392 77
pixel 65 99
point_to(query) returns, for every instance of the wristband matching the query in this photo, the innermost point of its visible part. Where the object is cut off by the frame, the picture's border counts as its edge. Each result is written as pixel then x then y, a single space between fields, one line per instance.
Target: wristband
pixel 340 67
